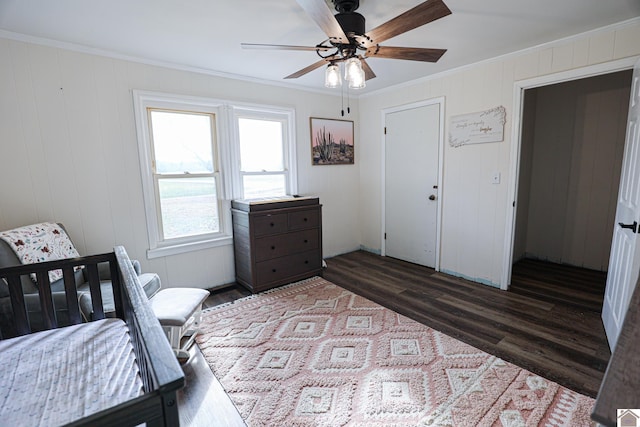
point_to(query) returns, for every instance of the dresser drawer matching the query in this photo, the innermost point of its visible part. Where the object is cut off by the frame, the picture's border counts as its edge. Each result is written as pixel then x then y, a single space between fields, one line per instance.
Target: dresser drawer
pixel 281 268
pixel 270 247
pixel 307 218
pixel 269 224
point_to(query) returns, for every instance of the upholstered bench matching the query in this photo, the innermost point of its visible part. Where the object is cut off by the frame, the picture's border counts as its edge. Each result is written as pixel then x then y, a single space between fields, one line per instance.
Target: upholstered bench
pixel 179 311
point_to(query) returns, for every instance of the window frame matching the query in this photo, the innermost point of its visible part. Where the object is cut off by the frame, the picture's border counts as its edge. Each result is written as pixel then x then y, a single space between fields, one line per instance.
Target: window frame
pixel 285 116
pixel 227 162
pixel 144 103
pixel 157 177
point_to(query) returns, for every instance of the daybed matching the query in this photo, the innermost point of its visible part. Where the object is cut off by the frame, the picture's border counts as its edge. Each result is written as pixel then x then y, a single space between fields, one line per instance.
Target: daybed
pixel 120 371
pixel 53 240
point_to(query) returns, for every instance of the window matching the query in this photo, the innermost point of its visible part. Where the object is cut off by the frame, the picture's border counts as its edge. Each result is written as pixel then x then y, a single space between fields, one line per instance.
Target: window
pixel 264 153
pixel 197 154
pixel 184 173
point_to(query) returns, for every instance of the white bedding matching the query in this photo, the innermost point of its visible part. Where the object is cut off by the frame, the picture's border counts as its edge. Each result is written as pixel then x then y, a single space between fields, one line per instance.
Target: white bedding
pixel 54 377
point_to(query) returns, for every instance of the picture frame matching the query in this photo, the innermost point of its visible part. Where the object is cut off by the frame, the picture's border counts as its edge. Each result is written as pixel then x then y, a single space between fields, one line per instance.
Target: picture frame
pixel 332 142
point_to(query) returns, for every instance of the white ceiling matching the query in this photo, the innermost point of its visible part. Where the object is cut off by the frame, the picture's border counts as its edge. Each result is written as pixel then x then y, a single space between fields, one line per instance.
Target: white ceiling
pixel 206 35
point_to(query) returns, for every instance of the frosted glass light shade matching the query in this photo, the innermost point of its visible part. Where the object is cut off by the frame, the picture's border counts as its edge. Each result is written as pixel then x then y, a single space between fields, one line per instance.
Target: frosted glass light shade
pixel 332 76
pixel 351 67
pixel 357 78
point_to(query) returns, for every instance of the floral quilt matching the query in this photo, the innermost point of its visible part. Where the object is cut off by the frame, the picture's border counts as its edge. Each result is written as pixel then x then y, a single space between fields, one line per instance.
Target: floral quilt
pixel 39 243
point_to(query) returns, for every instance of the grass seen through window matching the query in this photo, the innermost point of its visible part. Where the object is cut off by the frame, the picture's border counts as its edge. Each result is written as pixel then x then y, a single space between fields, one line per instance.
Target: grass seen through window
pixel 189 206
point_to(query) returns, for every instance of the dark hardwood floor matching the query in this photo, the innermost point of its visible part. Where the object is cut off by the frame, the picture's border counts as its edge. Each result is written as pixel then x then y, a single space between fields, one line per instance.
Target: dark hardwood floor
pixel 548 322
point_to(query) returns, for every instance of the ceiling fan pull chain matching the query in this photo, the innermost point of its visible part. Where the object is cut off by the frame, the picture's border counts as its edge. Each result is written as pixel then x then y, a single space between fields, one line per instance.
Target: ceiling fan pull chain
pixel 342 99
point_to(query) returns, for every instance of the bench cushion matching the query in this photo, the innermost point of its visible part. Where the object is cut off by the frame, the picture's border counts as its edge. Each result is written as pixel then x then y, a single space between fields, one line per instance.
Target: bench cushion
pixel 174 306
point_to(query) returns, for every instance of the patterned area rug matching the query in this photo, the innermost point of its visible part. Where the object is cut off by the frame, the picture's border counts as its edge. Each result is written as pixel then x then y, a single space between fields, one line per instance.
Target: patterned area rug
pixel 314 354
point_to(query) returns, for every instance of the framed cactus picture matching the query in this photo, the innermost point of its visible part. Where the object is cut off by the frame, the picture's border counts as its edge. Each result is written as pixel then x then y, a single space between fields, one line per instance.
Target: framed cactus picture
pixel 331 142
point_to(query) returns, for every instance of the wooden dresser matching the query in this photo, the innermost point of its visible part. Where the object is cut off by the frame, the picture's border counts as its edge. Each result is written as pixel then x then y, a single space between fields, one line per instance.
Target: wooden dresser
pixel 276 241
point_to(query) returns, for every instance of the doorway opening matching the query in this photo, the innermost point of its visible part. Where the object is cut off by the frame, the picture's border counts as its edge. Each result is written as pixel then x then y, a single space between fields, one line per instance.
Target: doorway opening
pixel 571 150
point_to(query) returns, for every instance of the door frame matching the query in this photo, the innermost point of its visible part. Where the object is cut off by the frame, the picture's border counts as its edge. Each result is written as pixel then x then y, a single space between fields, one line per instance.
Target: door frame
pixel 516 135
pixel 432 101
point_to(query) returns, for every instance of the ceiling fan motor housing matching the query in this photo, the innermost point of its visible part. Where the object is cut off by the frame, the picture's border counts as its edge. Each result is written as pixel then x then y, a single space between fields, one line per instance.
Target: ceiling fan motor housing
pixel 351 22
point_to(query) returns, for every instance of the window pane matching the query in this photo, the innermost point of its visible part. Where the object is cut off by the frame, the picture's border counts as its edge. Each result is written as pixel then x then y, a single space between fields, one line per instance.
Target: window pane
pixel 189 206
pixel 256 186
pixel 261 145
pixel 182 142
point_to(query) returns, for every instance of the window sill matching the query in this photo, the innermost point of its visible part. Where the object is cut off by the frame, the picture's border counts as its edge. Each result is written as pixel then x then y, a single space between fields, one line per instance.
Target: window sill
pixel 180 248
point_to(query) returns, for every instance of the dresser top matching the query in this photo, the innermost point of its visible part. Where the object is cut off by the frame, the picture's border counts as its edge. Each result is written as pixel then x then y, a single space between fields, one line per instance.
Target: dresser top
pixel 267 203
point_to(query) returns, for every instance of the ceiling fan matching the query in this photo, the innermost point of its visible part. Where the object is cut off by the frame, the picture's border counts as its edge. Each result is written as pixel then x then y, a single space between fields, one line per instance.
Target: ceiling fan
pixel 349 42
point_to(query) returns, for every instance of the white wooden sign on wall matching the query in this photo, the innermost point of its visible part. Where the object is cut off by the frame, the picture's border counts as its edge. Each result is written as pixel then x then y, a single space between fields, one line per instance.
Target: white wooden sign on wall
pixel 477 128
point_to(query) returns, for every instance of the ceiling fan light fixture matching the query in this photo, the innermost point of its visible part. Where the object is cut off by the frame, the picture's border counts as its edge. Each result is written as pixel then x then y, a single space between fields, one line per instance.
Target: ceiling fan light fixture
pixel 354 74
pixel 351 67
pixel 332 78
pixel 357 80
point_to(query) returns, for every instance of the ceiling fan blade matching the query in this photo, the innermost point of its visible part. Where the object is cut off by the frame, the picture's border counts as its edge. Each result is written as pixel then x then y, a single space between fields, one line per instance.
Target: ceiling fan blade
pixel 310 68
pixel 422 14
pixel 321 14
pixel 408 53
pixel 283 47
pixel 368 72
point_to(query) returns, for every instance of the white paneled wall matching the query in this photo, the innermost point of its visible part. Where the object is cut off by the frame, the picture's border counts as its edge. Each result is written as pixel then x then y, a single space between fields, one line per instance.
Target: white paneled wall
pixel 68 153
pixel 475 212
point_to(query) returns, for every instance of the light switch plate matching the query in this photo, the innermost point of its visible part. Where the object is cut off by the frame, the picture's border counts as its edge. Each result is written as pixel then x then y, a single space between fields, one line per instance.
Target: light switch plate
pixel 495 178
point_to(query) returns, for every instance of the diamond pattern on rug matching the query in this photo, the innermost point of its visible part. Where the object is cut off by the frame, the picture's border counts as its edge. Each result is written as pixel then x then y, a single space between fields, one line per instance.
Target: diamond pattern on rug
pixel 394 392
pixel 274 361
pixel 222 359
pixel 351 323
pixel 314 354
pixel 316 400
pixel 304 327
pixel 342 355
pixel 306 401
pixel 404 348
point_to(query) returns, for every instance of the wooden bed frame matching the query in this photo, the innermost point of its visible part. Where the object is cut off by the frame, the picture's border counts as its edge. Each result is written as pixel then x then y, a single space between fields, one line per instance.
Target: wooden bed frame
pixel 159 370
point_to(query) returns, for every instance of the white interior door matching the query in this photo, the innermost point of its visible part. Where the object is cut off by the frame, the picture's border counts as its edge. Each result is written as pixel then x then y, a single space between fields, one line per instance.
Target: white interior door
pixel 411 184
pixel 624 262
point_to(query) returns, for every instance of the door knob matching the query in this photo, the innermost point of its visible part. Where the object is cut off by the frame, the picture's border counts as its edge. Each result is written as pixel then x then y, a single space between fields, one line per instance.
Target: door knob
pixel 633 226
pixel 432 197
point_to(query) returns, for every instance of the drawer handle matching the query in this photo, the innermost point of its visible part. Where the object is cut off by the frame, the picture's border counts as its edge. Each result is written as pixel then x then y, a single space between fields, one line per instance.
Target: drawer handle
pixel 306 241
pixel 271 224
pixel 273 247
pixel 273 270
pixel 306 261
pixel 305 220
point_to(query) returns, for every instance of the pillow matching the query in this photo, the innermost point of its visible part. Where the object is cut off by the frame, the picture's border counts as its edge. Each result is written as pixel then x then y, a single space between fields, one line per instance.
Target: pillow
pixel 39 243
